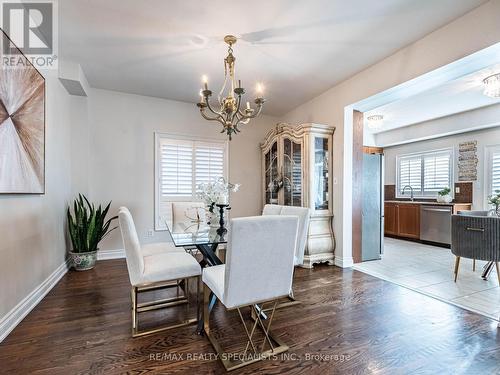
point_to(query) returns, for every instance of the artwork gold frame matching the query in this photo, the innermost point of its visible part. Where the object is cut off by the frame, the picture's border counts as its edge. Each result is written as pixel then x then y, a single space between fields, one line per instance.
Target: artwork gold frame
pixel 22 123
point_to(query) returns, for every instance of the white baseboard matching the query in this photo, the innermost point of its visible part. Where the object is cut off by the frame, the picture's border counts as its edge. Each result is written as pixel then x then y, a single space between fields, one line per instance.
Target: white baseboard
pixel 344 262
pixel 23 308
pixel 110 254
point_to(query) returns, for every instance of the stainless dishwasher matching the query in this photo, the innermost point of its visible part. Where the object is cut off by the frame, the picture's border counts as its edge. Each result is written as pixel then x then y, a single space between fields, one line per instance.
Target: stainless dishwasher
pixel 435 223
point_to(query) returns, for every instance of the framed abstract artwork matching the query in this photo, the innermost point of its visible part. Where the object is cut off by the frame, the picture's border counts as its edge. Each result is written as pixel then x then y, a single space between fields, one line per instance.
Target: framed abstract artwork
pixel 22 123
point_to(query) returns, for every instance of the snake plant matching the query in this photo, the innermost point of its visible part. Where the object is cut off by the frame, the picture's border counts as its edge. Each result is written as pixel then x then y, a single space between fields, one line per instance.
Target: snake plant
pixel 87 225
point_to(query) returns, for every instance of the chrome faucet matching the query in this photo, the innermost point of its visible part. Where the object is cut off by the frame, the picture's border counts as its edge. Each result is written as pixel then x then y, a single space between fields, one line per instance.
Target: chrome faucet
pixel 411 191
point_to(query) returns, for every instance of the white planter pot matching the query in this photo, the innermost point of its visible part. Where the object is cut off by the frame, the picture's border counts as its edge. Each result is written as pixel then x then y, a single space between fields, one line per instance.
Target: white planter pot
pixel 444 198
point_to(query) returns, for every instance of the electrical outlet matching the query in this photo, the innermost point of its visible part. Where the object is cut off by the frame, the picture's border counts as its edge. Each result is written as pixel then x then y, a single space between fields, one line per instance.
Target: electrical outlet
pixel 150 233
pixel 457 190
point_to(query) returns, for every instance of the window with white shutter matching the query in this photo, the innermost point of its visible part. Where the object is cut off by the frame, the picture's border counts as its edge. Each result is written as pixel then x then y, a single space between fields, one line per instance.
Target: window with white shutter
pixel 437 172
pixel 492 169
pixel 181 165
pixel 410 173
pixel 427 173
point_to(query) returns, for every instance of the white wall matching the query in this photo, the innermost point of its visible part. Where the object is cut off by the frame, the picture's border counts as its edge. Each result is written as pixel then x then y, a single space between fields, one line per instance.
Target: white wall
pixel 474 31
pixel 483 137
pixel 121 150
pixel 32 227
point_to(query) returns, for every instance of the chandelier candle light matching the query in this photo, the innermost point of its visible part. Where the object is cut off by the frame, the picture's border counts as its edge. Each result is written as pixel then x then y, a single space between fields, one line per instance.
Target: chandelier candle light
pixel 229 113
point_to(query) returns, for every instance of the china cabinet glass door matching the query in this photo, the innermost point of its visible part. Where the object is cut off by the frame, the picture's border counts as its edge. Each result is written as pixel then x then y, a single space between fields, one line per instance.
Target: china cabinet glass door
pixel 321 166
pixel 272 174
pixel 292 173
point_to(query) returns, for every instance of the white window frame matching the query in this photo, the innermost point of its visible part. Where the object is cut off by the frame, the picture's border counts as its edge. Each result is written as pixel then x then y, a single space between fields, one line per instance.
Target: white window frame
pixel 422 154
pixel 488 167
pixel 157 199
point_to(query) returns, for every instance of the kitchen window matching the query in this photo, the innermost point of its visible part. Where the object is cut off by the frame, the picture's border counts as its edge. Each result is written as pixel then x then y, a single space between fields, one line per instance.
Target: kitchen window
pixel 492 154
pixel 182 164
pixel 427 173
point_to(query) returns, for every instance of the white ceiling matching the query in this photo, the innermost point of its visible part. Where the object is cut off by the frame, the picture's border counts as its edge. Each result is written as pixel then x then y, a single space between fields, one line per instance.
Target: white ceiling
pixel 455 96
pixel 297 48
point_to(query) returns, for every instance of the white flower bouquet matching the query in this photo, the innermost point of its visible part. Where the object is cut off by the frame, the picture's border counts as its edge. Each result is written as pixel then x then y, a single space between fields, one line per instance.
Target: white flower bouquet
pixel 213 193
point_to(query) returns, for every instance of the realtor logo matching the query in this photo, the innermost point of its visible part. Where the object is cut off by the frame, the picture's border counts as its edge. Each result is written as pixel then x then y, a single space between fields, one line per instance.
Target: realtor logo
pixel 31 26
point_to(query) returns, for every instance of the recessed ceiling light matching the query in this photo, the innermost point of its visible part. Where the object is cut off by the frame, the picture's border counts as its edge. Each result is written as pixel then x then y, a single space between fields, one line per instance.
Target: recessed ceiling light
pixel 375 121
pixel 492 86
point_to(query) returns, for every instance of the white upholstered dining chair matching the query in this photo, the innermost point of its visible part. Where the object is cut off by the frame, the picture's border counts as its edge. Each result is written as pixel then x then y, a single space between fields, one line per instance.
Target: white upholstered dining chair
pixel 188 212
pixel 154 270
pixel 304 214
pixel 258 270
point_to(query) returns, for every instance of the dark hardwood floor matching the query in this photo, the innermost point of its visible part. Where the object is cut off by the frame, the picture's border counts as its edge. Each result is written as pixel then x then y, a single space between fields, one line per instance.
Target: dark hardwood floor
pixel 348 323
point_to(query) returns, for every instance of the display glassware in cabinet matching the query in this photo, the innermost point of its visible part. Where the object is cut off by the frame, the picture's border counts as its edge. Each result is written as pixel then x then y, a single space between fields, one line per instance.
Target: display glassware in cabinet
pixel 296 171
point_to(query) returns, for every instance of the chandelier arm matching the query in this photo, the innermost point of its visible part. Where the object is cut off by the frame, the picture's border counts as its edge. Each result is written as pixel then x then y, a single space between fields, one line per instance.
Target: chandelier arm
pixel 242 120
pixel 253 115
pixel 238 105
pixel 210 107
pixel 218 118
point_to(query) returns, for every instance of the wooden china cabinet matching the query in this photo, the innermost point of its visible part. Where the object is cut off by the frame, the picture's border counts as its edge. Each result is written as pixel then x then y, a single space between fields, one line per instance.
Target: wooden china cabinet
pixel 297 171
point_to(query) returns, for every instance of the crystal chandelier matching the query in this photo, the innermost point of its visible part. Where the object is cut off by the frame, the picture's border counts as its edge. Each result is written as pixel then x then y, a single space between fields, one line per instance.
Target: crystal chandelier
pixel 492 86
pixel 228 111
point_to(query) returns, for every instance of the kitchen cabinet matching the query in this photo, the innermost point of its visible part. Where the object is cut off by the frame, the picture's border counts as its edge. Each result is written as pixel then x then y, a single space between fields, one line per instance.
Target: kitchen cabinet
pixel 402 220
pixel 390 219
pixel 408 220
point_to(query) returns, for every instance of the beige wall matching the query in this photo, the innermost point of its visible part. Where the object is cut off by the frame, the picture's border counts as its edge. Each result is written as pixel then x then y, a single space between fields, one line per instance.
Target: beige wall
pixel 32 235
pixel 472 32
pixel 121 164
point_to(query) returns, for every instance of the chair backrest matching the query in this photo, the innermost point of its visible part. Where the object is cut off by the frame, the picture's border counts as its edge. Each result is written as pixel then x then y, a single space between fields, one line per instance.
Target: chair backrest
pixel 135 261
pixel 272 209
pixel 476 237
pixel 473 213
pixel 304 215
pixel 187 211
pixel 259 263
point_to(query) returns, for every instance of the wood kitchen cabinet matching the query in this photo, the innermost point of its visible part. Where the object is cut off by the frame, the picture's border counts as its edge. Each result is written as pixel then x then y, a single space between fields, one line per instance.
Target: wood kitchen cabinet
pixel 402 220
pixel 408 220
pixel 390 219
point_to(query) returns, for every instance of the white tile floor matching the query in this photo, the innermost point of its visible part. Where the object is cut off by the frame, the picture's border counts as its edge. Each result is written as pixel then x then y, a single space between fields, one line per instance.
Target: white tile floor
pixel 429 270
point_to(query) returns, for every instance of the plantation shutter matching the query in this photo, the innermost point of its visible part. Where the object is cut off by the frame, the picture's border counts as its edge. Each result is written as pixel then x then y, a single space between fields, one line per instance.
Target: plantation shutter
pixel 495 170
pixel 427 173
pixel 410 173
pixel 176 168
pixel 209 161
pixel 437 167
pixel 181 166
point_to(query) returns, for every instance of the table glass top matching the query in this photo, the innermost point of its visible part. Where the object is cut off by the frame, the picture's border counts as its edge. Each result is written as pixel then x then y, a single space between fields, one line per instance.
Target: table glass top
pixel 192 233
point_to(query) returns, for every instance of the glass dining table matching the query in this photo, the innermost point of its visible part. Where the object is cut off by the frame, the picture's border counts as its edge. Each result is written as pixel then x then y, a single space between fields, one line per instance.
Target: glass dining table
pixel 196 234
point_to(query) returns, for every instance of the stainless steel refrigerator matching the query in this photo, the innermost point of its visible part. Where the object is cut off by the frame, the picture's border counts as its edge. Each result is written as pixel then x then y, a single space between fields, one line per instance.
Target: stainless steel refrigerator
pixel 373 207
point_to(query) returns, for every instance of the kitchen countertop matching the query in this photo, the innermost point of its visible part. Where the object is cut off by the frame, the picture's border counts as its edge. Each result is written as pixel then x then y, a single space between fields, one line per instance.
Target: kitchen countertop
pixel 425 203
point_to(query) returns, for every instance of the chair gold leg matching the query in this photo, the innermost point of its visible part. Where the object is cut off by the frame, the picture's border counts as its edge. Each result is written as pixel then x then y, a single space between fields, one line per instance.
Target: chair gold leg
pixel 198 282
pixel 206 311
pixel 232 361
pixel 133 294
pixel 498 272
pixel 159 304
pixel 473 265
pixel 457 264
